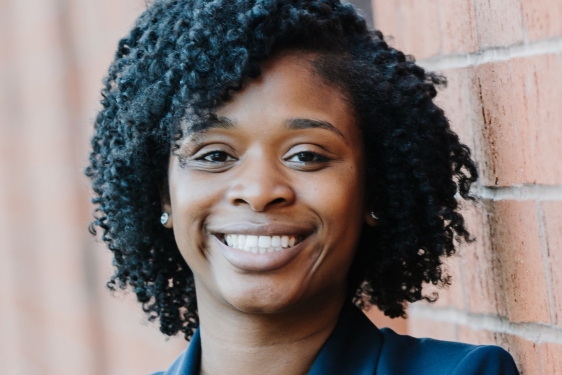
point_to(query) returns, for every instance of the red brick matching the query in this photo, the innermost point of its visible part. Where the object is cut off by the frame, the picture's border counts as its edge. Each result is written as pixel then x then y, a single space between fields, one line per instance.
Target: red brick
pixel 526 354
pixel 482 272
pixel 475 337
pixel 456 291
pixel 458 26
pixel 501 160
pixel 420 27
pixel 421 327
pixel 515 237
pixel 376 316
pixel 451 295
pixel 552 212
pixel 537 89
pixel 387 16
pixel 499 22
pixel 543 18
pixel 459 100
pixel 551 358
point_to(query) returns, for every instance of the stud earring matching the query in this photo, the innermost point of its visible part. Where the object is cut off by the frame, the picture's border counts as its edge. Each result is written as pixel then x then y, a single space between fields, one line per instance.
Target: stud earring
pixel 374 216
pixel 164 218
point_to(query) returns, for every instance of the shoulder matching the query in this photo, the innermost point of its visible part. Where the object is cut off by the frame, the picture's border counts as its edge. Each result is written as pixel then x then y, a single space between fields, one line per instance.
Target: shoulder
pixel 402 354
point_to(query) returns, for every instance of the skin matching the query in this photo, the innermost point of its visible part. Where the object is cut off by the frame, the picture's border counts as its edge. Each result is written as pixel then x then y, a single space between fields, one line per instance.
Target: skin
pixel 260 173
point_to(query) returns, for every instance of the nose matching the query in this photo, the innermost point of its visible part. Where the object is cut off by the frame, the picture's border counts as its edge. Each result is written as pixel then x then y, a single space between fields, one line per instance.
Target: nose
pixel 260 184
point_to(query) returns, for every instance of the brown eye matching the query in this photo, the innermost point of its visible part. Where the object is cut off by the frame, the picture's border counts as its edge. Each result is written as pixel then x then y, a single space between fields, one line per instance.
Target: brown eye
pixel 216 157
pixel 307 157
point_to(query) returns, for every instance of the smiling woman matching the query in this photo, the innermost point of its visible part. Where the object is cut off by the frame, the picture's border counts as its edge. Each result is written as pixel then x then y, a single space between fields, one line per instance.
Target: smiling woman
pixel 260 165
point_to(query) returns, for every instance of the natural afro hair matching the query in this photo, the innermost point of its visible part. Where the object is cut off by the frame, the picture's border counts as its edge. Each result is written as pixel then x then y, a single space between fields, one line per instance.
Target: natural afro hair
pixel 184 58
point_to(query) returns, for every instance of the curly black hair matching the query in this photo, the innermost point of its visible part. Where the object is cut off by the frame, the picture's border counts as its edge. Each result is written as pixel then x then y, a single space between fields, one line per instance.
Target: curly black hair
pixel 184 58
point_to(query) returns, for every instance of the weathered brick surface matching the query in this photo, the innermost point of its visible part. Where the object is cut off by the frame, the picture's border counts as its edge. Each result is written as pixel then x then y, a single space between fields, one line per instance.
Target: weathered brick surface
pixel 543 18
pixel 552 212
pixel 537 89
pixel 421 34
pixel 508 111
pixel 527 354
pixel 499 22
pixel 482 268
pixel 458 100
pixel 398 325
pixel 520 133
pixel 413 24
pixel 387 20
pixel 551 355
pixel 52 319
pixel 458 26
pixel 515 237
pixel 421 327
pixel 476 337
pixel 501 161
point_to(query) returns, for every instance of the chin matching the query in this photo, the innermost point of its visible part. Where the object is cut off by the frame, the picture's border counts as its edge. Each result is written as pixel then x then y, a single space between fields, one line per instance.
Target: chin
pixel 264 299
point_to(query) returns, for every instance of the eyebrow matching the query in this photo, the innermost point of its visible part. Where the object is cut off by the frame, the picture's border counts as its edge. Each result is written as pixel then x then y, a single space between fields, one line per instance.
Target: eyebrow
pixel 215 122
pixel 305 123
pixel 219 122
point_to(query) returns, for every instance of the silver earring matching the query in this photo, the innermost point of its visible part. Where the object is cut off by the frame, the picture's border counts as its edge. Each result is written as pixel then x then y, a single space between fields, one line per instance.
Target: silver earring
pixel 374 216
pixel 164 218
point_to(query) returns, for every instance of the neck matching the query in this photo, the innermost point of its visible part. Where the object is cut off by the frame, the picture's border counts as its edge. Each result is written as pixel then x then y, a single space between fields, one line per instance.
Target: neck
pixel 235 342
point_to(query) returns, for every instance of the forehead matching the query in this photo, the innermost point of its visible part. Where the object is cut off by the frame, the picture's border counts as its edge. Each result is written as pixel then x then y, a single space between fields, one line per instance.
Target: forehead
pixel 289 88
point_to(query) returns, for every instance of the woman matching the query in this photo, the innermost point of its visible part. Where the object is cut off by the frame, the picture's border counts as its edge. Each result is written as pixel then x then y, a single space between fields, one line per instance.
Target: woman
pixel 258 166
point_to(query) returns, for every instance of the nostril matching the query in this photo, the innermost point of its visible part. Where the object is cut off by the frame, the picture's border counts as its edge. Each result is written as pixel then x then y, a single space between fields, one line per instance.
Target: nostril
pixel 277 201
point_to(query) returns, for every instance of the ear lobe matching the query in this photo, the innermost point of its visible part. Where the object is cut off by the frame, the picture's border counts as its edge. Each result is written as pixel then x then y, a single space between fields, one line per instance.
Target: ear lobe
pixel 165 202
pixel 166 220
pixel 371 218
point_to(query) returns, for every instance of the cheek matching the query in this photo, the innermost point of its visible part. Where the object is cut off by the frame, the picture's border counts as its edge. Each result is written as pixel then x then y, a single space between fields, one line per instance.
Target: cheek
pixel 192 200
pixel 338 200
pixel 339 197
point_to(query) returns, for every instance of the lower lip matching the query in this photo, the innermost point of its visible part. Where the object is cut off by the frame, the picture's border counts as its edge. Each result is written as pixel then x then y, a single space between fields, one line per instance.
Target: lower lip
pixel 251 262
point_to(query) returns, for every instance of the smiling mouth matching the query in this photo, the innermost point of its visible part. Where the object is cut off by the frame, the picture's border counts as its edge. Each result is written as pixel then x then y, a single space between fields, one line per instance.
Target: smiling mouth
pixel 260 244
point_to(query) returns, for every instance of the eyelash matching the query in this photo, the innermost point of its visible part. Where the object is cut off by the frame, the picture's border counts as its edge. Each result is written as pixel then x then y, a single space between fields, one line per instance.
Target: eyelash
pixel 319 158
pixel 204 156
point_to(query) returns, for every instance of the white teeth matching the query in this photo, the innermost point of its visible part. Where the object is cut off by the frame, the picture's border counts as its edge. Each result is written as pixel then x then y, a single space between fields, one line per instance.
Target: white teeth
pixel 229 240
pixel 241 241
pixel 252 241
pixel 264 241
pixel 259 244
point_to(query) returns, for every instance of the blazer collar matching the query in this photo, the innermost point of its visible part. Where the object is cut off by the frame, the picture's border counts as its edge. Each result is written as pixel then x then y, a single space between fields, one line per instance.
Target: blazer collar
pixel 353 348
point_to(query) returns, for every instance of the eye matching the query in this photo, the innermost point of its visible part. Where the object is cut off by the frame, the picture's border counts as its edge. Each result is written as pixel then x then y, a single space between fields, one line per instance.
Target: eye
pixel 307 157
pixel 216 157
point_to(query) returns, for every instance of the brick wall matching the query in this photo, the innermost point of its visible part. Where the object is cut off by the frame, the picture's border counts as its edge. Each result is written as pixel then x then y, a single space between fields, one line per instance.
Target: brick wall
pixel 56 317
pixel 503 62
pixel 502 59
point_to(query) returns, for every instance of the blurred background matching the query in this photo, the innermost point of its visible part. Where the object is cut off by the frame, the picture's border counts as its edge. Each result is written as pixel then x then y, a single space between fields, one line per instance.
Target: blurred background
pixel 503 62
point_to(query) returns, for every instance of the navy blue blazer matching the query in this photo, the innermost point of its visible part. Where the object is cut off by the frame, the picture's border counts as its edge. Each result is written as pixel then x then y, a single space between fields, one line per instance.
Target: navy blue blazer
pixel 357 347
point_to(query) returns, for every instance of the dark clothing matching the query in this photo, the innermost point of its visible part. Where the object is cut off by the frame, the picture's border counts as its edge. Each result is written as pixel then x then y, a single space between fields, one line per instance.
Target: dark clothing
pixel 357 347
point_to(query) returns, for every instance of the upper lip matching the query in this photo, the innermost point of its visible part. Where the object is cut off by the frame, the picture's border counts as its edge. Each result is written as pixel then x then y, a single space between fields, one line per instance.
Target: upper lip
pixel 262 229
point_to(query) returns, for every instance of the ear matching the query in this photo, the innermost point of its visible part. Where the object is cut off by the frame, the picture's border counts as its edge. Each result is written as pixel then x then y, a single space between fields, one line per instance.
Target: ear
pixel 165 202
pixel 369 219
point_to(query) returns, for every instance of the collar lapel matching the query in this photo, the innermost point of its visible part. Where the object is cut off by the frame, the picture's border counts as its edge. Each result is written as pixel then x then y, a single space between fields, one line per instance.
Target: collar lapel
pixel 188 362
pixel 353 348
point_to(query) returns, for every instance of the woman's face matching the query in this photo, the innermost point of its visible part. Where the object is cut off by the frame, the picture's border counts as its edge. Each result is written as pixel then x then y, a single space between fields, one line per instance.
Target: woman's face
pixel 267 204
